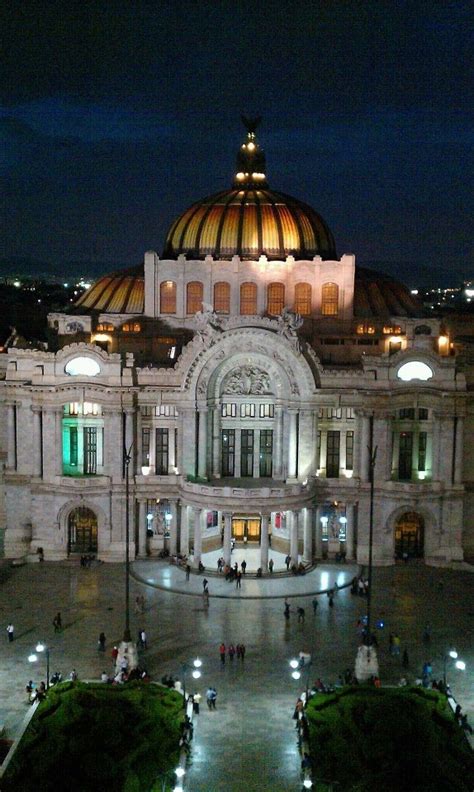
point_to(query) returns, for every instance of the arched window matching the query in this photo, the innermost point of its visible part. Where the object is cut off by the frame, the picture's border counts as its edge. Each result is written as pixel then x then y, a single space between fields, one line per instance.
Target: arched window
pixel 193 297
pixel 168 297
pixel 248 299
pixel 222 298
pixel 330 299
pixel 303 299
pixel 275 298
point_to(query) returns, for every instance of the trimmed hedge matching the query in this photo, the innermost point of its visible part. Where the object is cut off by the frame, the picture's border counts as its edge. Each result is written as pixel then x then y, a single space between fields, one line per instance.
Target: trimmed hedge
pixel 370 739
pixel 90 737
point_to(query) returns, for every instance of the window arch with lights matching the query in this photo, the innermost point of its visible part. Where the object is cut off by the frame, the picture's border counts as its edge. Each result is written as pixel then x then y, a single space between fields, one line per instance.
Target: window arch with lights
pixel 303 299
pixel 194 292
pixel 330 299
pixel 222 297
pixel 275 298
pixel 168 297
pixel 248 299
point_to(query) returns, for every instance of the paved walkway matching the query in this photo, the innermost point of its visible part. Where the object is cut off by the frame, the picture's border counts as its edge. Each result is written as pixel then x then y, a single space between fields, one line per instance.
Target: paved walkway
pixel 249 742
pixel 163 575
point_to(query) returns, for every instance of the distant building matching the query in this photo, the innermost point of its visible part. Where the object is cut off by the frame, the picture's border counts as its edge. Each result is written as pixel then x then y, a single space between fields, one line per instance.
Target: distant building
pixel 248 370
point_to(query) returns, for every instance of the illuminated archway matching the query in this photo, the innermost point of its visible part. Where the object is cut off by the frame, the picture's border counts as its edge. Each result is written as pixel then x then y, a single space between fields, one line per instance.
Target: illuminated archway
pixel 409 535
pixel 82 531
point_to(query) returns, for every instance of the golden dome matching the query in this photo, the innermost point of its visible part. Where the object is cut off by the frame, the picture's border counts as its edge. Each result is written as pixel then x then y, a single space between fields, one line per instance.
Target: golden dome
pixel 250 220
pixel 120 292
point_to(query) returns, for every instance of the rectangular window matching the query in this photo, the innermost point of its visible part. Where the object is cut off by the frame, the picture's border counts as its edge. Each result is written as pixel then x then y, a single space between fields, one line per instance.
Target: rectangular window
pixel 267 410
pixel 422 438
pixel 161 452
pixel 228 452
pixel 90 450
pixel 422 414
pixel 318 451
pixel 73 445
pixel 246 453
pixel 407 413
pixel 101 447
pixel 166 411
pixel 332 454
pixel 145 410
pixel 350 413
pixel 266 453
pixel 349 450
pixel 247 410
pixel 405 456
pixel 228 410
pixel 146 446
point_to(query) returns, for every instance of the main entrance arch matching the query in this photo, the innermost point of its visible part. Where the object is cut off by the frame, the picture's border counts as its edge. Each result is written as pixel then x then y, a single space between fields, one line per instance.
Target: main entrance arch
pixel 409 535
pixel 82 531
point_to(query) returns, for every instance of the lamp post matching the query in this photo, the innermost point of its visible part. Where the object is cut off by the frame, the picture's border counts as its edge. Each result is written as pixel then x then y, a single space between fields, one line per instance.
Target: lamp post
pixel 297 665
pixel 459 664
pixel 127 458
pixel 196 673
pixel 366 664
pixel 32 658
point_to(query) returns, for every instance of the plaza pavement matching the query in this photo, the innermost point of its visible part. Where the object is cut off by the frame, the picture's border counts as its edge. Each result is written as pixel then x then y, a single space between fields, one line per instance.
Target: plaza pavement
pixel 249 741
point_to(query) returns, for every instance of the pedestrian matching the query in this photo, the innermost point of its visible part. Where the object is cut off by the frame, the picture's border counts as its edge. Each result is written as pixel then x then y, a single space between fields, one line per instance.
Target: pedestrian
pixel 315 605
pixel 237 651
pixel 205 597
pixel 73 675
pixel 188 571
pixel 242 651
pixel 137 604
pixel 405 556
pixel 205 584
pixel 331 599
pixel 57 623
pixel 405 662
pixel 287 609
pixel 270 566
pixel 114 654
pixel 236 568
pixel 10 632
pixel 396 645
pixel 101 642
pixel 238 580
pixel 142 639
pixel 427 634
pixel 288 562
pixel 231 651
pixel 209 697
pixel 213 698
pixel 243 566
pixel 300 612
pixel 222 653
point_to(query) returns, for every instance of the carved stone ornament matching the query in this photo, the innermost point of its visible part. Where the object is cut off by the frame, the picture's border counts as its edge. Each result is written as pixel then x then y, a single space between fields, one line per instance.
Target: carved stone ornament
pixel 248 380
pixel 207 321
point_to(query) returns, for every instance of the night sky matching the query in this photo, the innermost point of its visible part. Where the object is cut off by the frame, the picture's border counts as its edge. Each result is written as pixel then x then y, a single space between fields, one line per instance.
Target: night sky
pixel 118 115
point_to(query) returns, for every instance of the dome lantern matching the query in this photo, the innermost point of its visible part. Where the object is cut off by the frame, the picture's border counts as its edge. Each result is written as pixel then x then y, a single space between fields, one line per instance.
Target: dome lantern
pixel 250 165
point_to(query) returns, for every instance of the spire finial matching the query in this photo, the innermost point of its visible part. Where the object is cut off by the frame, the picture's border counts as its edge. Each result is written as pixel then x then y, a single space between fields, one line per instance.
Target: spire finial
pixel 250 159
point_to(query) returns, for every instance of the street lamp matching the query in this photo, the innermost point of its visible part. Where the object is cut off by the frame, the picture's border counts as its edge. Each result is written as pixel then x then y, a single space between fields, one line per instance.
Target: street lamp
pixel 196 673
pixel 459 664
pixel 32 658
pixel 126 633
pixel 305 661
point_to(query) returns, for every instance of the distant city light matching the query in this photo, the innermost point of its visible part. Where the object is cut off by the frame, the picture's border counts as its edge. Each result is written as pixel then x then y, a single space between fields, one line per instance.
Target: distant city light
pixel 414 291
pixel 17 284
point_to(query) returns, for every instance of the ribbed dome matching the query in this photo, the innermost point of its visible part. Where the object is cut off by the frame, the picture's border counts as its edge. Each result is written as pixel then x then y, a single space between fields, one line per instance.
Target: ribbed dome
pixel 247 223
pixel 120 292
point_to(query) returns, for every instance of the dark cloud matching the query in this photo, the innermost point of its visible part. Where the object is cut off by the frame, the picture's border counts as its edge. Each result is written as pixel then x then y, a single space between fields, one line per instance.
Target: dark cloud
pixel 118 115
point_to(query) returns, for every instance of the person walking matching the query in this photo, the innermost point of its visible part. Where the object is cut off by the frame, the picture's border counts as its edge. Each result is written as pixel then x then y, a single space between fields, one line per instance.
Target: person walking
pixel 101 642
pixel 188 571
pixel 209 697
pixel 405 662
pixel 331 599
pixel 114 655
pixel 222 653
pixel 270 566
pixel 57 623
pixel 315 605
pixel 238 580
pixel 142 639
pixel 396 645
pixel 205 584
pixel 10 632
pixel 205 597
pixel 287 609
pixel 231 652
pixel 243 566
pixel 213 698
pixel 242 652
pixel 288 562
pixel 301 614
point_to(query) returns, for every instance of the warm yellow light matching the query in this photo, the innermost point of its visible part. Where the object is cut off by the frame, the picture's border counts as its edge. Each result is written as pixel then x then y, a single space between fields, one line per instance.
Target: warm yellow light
pixel 395 339
pixel 101 337
pixel 240 176
pixel 443 341
pixel 258 176
pixel 251 146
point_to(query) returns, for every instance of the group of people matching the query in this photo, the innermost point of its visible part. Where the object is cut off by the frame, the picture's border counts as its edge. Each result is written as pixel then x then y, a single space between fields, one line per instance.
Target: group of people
pixel 237 650
pixel 86 560
pixel 296 568
pixel 360 586
pixel 211 698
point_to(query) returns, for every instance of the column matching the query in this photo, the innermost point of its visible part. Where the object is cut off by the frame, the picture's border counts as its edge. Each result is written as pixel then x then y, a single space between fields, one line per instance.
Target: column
pixel 113 442
pixel 278 472
pixel 142 527
pixel 184 533
pixel 173 547
pixel 11 461
pixel 446 440
pixel 294 537
pixel 265 520
pixel 58 441
pixel 308 515
pixel 364 447
pixel 37 456
pixel 292 444
pixel 216 443
pixel 202 445
pixel 350 530
pixel 458 456
pixel 227 536
pixel 319 542
pixel 197 536
pixel 171 450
